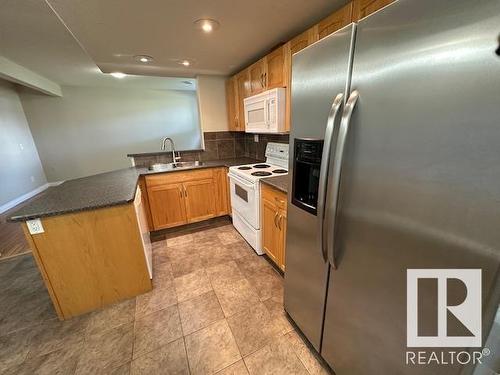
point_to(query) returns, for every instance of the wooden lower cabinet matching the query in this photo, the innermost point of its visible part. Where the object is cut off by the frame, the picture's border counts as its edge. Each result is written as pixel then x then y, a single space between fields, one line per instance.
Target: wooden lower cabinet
pixel 178 198
pixel 199 196
pixel 167 206
pixel 273 218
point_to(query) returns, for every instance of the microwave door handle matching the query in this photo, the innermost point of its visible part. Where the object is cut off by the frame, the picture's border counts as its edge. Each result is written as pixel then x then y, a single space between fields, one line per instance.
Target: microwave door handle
pixel 268 112
pixel 338 159
pixel 323 172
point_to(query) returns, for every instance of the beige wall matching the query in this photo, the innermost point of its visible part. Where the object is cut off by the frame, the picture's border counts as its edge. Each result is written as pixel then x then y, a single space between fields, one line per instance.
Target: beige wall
pixel 212 101
pixel 21 171
pixel 91 130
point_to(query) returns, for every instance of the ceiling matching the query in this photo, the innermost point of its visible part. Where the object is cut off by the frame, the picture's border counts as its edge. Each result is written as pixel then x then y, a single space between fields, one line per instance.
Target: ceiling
pixel 73 42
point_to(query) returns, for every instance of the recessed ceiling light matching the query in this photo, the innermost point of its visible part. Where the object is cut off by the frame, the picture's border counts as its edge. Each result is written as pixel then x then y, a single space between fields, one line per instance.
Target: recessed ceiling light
pixel 143 58
pixel 119 75
pixel 185 62
pixel 207 25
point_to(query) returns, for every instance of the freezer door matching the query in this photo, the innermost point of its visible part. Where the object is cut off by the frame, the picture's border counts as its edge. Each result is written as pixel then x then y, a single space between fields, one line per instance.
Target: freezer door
pixel 319 75
pixel 420 184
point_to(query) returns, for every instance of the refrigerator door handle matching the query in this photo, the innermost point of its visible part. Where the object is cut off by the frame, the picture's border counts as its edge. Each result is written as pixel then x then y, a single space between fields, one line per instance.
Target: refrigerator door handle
pixel 337 170
pixel 323 172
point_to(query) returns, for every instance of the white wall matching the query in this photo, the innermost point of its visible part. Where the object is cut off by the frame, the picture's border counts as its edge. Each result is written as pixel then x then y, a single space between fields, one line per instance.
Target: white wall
pixel 20 171
pixel 91 130
pixel 212 100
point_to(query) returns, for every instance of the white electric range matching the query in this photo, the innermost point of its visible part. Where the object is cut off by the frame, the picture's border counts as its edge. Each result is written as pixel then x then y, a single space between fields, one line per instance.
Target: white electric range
pixel 245 191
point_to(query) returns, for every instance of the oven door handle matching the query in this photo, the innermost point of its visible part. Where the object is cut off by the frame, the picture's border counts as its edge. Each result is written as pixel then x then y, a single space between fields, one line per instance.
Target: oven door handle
pixel 323 172
pixel 240 181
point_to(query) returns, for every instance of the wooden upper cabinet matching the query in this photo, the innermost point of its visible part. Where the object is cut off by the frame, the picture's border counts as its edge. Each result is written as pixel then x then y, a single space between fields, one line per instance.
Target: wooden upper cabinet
pixel 276 74
pixel 305 39
pixel 335 21
pixel 232 104
pixel 242 92
pixel 257 72
pixel 363 8
pixel 167 205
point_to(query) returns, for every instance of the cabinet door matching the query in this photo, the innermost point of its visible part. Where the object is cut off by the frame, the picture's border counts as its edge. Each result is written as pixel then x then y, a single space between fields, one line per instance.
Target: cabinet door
pixel 276 61
pixel 200 199
pixel 220 176
pixel 242 92
pixel 363 8
pixel 231 104
pixel 270 231
pixel 167 205
pixel 305 39
pixel 335 21
pixel 257 73
pixel 282 240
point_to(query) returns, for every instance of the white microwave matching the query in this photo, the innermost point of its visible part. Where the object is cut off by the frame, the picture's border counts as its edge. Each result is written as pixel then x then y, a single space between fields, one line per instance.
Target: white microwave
pixel 265 112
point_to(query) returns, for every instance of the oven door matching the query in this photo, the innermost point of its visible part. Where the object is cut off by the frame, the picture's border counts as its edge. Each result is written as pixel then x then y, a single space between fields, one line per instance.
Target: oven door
pixel 245 199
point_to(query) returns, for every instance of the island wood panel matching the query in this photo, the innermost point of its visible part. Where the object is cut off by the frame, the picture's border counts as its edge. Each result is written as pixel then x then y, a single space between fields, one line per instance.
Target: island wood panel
pixel 167 205
pixel 41 268
pixel 200 199
pixel 91 259
pixel 145 202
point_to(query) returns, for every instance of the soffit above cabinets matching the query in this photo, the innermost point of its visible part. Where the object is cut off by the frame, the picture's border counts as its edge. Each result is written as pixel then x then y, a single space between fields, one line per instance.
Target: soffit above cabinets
pixel 113 31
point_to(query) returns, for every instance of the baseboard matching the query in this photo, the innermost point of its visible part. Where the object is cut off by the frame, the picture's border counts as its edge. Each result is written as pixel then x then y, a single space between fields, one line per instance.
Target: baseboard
pixel 24 197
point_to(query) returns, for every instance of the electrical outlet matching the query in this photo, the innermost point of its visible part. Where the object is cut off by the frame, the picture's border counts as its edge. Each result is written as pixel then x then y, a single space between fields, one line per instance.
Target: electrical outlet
pixel 35 226
pixel 21 146
pixel 256 138
pixel 32 178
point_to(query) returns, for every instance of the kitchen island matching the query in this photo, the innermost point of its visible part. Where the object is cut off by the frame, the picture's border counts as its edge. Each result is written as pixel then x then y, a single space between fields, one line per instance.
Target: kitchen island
pixel 90 238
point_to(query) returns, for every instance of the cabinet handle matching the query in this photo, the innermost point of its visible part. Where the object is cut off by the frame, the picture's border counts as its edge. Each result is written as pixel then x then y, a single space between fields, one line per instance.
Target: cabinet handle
pixel 279 222
pixel 275 217
pixel 265 79
pixel 185 192
pixel 180 191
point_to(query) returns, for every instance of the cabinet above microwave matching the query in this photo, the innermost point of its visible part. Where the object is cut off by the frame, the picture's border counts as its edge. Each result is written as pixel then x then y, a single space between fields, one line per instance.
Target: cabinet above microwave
pixel 265 112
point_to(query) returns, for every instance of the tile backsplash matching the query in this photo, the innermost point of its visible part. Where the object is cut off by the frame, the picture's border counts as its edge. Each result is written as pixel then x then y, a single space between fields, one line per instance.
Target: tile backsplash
pixel 220 145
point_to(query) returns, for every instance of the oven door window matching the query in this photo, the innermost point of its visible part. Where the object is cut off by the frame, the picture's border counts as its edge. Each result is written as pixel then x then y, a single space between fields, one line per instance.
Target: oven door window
pixel 240 192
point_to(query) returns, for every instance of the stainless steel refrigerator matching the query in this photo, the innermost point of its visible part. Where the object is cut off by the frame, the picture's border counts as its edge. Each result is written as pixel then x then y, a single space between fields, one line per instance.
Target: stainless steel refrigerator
pixel 395 165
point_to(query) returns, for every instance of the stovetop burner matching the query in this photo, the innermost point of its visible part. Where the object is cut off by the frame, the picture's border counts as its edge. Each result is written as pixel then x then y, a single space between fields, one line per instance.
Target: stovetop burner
pixel 245 168
pixel 280 171
pixel 261 166
pixel 261 173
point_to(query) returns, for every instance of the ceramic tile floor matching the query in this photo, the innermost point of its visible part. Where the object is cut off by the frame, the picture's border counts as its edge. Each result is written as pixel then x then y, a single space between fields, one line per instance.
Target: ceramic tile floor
pixel 216 307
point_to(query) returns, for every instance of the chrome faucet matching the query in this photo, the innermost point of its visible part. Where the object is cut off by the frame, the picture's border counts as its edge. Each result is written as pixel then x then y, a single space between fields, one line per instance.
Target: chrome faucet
pixel 174 158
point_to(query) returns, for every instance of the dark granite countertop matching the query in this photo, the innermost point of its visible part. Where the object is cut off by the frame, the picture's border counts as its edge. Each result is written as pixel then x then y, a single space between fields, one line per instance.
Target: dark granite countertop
pixel 278 182
pixel 99 191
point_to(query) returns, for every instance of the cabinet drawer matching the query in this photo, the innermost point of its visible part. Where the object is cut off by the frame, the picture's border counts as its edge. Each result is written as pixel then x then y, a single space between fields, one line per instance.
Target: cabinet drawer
pixel 274 196
pixel 176 177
